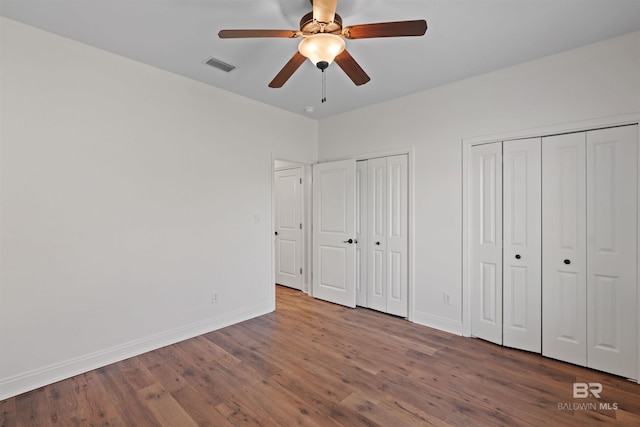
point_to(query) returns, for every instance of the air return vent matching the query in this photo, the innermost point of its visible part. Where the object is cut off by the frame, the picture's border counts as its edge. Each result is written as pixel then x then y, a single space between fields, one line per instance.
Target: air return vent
pixel 216 63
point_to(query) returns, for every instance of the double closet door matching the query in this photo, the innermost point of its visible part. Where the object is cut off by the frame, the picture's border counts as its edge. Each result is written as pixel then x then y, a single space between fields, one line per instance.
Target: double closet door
pixel 506 277
pixel 381 234
pixel 589 260
pixel 554 247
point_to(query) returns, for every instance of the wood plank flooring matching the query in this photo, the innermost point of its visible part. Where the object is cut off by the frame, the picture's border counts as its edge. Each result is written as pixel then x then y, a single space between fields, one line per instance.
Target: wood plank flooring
pixel 318 364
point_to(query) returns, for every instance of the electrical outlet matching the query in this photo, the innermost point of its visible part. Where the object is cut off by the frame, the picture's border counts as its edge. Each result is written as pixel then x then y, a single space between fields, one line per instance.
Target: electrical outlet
pixel 214 297
pixel 446 298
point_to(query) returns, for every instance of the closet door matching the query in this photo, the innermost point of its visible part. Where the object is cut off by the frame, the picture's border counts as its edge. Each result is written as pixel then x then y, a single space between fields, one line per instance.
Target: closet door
pixel 486 242
pixel 522 281
pixel 397 241
pixel 377 290
pixel 362 237
pixel 387 241
pixel 611 250
pixel 564 292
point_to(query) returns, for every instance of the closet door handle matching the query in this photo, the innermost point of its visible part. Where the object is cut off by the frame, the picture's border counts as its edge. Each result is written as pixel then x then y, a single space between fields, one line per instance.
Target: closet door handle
pixel 350 241
pixel 567 261
pixel 518 256
pixel 378 243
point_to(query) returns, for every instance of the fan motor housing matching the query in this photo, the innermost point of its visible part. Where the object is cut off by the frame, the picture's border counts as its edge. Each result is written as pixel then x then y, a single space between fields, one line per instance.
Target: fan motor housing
pixel 309 25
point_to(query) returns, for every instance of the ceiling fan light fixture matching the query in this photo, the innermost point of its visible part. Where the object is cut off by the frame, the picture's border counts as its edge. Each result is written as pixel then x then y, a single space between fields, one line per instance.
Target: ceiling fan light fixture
pixel 321 48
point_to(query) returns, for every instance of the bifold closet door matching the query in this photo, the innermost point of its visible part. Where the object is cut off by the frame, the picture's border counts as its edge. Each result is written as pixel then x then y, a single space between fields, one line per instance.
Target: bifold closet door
pixel 377 195
pixel 590 249
pixel 387 239
pixel 397 240
pixel 612 180
pixel 564 228
pixel 486 242
pixel 505 231
pixel 362 234
pixel 522 262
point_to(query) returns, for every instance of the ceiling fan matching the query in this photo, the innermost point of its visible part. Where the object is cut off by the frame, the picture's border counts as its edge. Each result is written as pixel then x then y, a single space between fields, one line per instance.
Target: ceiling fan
pixel 323 40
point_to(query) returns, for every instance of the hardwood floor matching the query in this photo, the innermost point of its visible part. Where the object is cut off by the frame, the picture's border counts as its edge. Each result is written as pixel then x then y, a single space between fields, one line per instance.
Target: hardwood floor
pixel 315 363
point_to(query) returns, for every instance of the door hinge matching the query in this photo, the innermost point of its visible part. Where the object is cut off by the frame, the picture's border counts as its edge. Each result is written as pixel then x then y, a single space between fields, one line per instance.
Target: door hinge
pixel 300 180
pixel 300 271
pixel 300 226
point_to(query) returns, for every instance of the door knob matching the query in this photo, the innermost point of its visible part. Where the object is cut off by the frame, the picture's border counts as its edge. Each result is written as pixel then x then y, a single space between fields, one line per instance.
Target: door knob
pixel 518 256
pixel 276 233
pixel 350 241
pixel 567 261
pixel 378 243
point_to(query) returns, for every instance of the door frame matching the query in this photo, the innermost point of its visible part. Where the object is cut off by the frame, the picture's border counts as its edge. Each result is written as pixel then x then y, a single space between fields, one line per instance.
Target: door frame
pixel 410 152
pixel 538 132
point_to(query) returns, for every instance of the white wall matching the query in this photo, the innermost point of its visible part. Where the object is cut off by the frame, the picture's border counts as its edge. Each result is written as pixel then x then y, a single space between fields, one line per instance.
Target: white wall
pixel 129 196
pixel 595 81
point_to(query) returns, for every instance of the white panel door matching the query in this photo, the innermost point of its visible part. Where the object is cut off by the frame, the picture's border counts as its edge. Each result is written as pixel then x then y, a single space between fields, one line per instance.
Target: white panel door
pixel 397 266
pixel 486 241
pixel 377 262
pixel 361 232
pixel 334 218
pixel 564 292
pixel 611 250
pixel 522 281
pixel 288 227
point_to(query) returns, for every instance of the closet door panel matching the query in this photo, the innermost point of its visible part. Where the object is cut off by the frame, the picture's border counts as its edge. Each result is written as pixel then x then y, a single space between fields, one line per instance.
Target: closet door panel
pixel 397 241
pixel 486 238
pixel 362 234
pixel 522 289
pixel 611 250
pixel 376 291
pixel 564 253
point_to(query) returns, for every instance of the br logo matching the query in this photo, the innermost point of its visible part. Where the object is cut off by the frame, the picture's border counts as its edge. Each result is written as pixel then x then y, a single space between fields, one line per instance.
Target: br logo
pixel 583 390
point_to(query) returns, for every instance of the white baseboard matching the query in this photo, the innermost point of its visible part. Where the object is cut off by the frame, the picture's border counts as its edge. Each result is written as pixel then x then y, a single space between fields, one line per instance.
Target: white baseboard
pixel 22 383
pixel 437 322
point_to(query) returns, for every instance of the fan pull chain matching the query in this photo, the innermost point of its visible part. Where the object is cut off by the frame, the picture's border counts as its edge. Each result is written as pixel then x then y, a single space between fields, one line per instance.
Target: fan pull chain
pixel 324 87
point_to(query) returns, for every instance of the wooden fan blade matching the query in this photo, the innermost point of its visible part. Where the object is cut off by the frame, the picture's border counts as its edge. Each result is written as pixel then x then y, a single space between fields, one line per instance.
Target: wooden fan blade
pixel 243 34
pixel 386 29
pixel 352 68
pixel 324 10
pixel 287 71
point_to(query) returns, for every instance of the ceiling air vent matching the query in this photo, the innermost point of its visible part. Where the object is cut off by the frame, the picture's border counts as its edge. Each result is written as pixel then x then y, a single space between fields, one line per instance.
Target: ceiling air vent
pixel 216 63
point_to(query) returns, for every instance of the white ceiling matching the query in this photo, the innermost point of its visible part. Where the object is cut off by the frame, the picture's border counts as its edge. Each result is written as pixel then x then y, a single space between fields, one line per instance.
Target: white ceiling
pixel 464 38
